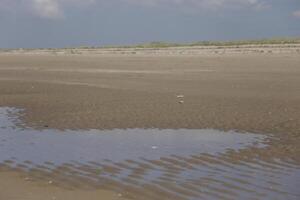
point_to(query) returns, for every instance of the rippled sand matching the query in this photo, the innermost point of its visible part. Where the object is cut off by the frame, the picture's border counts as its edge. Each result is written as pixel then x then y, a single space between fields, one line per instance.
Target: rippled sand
pixel 149 164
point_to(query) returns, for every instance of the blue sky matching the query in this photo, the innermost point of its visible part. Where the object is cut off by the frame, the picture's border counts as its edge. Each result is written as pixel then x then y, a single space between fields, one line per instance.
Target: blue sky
pixel 67 23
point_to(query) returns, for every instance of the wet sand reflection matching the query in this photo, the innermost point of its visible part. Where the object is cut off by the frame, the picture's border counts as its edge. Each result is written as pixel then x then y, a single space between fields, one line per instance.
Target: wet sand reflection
pixel 185 164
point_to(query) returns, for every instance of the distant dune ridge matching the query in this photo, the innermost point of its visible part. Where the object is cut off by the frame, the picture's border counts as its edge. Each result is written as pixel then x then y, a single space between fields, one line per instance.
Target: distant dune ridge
pixel 176 51
pixel 269 46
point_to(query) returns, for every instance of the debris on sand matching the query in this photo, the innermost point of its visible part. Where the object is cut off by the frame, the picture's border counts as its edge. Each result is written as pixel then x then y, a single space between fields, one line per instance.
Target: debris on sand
pixel 180 96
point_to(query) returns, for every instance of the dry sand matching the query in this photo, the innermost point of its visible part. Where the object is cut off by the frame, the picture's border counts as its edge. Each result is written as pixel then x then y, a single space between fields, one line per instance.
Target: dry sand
pixel 249 92
pixel 14 186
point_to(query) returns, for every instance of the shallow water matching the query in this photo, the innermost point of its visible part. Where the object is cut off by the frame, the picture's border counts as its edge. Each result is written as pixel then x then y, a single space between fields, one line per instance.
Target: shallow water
pixel 149 164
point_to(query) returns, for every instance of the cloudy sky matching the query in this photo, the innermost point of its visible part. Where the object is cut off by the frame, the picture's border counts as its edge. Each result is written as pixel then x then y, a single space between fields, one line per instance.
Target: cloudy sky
pixel 65 23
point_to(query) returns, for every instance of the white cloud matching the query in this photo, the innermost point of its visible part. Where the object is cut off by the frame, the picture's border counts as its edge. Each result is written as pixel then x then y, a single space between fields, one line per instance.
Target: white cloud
pixel 47 8
pixel 296 14
pixel 54 9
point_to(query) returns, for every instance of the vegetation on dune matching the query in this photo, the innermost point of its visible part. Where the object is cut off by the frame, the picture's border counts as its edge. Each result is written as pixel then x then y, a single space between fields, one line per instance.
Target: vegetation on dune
pixel 288 40
pixel 214 43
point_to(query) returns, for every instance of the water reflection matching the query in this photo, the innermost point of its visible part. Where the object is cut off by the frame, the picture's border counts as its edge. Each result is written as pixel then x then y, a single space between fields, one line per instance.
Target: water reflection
pixel 149 164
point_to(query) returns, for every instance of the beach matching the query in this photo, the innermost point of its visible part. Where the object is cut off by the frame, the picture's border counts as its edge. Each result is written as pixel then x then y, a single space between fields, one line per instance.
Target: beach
pixel 255 91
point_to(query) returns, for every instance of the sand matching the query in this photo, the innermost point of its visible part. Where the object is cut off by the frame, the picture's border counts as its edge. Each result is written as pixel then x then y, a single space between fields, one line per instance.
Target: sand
pixel 255 92
pixel 13 186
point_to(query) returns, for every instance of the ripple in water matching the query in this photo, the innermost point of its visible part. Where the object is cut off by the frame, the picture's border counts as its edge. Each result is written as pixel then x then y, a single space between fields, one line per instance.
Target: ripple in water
pixel 149 164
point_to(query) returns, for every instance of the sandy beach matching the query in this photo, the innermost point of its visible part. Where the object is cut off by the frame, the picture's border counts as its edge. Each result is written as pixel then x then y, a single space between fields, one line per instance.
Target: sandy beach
pixel 257 92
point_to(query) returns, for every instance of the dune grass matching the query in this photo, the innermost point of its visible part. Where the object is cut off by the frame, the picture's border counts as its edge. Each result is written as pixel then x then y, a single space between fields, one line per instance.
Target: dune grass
pixel 233 43
pixel 214 43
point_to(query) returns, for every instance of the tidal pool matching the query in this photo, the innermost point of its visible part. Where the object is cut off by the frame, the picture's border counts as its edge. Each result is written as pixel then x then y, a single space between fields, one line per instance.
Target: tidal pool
pixel 149 164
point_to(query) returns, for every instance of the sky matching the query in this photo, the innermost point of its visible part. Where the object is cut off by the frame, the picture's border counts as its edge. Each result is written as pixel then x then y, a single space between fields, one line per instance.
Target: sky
pixel 72 23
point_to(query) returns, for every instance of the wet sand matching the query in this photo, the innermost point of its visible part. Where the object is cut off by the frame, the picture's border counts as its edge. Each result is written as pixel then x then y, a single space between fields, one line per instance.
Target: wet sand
pixel 149 164
pixel 257 93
